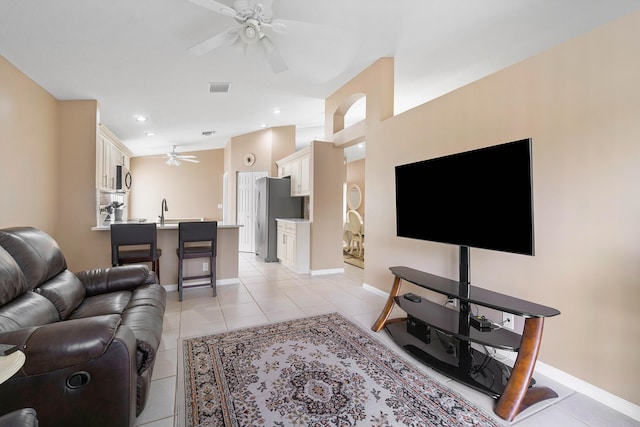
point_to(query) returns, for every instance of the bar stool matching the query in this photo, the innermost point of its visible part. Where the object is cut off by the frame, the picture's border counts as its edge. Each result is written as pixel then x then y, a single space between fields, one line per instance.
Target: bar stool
pixel 191 238
pixel 137 234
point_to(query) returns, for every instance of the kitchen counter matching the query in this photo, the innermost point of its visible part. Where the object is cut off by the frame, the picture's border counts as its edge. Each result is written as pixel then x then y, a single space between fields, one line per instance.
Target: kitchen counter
pixel 226 258
pixel 167 226
pixel 297 220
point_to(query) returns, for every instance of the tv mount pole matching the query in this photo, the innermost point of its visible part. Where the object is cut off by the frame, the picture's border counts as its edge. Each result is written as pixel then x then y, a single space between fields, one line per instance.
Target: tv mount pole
pixel 464 266
pixel 463 314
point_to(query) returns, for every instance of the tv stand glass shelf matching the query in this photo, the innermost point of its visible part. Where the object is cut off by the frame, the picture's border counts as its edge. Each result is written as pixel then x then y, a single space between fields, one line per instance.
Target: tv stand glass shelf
pixel 442 338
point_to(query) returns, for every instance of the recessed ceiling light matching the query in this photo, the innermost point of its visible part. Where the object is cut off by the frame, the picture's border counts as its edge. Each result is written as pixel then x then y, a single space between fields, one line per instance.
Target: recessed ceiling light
pixel 276 111
pixel 150 134
pixel 263 125
pixel 141 119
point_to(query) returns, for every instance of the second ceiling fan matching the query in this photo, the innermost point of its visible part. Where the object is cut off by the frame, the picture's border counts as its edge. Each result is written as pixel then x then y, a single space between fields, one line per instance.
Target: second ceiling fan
pixel 175 159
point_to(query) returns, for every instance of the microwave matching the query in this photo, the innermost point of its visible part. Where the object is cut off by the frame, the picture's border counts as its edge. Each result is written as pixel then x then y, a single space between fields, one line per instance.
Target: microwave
pixel 123 178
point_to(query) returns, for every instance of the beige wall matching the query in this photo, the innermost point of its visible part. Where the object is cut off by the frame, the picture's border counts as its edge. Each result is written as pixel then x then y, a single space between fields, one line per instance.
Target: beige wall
pixel 267 145
pixel 327 179
pixel 29 145
pixel 48 172
pixel 579 103
pixel 192 190
pixel 76 200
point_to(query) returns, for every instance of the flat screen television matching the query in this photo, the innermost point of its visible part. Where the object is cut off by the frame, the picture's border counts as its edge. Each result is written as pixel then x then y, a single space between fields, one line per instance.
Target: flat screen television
pixel 481 198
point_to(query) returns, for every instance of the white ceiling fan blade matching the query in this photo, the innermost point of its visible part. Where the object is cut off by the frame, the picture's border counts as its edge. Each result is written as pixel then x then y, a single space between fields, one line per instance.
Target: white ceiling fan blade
pixel 190 160
pixel 216 7
pixel 239 45
pixel 242 7
pixel 325 32
pixel 214 42
pixel 186 156
pixel 275 59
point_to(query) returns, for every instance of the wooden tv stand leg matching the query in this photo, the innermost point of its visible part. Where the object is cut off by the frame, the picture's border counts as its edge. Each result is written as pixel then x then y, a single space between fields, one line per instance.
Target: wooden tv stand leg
pixel 517 395
pixel 386 311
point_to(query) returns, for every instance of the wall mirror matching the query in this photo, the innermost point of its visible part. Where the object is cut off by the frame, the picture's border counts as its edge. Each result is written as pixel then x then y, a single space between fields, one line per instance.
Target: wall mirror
pixel 354 196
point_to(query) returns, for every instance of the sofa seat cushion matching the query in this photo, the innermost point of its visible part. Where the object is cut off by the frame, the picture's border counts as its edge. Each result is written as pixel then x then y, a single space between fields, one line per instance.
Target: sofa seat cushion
pixel 111 303
pixel 65 291
pixel 29 309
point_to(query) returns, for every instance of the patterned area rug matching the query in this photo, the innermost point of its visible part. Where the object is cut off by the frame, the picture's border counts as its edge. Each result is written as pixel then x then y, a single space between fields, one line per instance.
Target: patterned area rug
pixel 316 371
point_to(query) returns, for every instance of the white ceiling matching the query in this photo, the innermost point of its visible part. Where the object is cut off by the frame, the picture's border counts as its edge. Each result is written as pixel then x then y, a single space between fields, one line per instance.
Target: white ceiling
pixel 131 55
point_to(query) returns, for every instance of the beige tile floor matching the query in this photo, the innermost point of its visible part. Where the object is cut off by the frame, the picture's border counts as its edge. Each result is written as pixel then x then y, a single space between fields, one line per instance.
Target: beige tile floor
pixel 270 292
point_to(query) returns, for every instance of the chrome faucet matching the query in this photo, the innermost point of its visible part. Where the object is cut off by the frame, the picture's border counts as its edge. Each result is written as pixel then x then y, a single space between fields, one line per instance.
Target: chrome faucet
pixel 163 209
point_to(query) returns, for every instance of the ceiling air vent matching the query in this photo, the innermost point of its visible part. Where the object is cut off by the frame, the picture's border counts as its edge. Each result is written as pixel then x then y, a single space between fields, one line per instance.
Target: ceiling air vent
pixel 219 87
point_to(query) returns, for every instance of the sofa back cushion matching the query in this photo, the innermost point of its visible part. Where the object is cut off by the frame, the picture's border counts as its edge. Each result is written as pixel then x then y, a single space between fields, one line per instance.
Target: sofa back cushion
pixel 29 309
pixel 12 281
pixel 37 254
pixel 65 291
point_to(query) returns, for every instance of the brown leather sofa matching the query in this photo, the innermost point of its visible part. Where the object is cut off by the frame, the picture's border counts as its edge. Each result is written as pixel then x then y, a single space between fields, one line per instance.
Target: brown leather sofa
pixel 21 418
pixel 90 338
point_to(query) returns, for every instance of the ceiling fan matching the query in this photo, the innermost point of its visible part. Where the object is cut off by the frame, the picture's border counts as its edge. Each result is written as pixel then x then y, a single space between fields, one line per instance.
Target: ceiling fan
pixel 255 19
pixel 175 159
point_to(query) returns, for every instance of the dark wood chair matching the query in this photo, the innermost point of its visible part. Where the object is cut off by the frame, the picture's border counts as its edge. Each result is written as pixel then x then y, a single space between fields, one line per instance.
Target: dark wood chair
pixel 145 239
pixel 197 240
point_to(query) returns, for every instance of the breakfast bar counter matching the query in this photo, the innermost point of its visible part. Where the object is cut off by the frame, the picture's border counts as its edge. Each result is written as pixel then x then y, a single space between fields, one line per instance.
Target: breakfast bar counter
pixel 226 258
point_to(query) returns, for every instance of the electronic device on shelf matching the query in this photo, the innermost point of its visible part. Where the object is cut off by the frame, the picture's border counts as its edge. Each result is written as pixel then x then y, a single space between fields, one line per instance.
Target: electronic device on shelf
pixel 481 323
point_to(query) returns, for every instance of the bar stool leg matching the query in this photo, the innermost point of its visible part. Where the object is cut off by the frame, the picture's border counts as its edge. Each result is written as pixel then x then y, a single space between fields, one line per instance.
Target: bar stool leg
pixel 213 274
pixel 179 279
pixel 156 268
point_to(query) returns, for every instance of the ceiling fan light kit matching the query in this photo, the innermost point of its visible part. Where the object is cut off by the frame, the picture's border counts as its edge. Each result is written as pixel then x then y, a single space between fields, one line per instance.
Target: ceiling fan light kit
pixel 255 20
pixel 175 159
pixel 250 32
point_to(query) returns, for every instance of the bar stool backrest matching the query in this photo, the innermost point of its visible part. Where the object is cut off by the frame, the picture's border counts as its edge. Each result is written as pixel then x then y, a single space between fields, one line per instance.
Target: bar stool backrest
pixel 201 231
pixel 134 234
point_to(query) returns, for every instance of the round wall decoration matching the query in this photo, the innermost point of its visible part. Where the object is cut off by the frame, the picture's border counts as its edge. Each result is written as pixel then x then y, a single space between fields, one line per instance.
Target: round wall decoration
pixel 249 159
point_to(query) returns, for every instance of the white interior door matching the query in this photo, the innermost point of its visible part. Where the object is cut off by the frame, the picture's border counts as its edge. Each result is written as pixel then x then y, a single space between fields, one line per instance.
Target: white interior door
pixel 225 200
pixel 245 211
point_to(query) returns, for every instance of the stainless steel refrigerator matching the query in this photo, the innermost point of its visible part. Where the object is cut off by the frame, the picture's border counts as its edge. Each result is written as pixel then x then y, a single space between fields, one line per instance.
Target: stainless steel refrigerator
pixel 273 200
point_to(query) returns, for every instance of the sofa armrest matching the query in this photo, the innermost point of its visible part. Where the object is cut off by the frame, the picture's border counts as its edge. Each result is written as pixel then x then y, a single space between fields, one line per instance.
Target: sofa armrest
pixel 82 390
pixel 63 344
pixel 126 277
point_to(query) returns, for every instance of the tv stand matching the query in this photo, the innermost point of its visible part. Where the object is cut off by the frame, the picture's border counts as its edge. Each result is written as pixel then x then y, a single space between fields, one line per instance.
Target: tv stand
pixel 441 338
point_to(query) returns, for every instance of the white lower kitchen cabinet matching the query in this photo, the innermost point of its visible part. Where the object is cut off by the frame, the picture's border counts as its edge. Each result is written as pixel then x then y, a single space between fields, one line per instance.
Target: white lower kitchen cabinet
pixel 294 242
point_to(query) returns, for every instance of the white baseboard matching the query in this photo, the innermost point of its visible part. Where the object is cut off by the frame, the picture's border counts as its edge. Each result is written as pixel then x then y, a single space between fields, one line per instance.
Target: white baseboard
pixel 375 290
pixel 623 406
pixel 328 271
pixel 611 400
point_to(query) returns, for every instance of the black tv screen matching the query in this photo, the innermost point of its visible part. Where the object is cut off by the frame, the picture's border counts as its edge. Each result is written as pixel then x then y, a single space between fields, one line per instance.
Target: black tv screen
pixel 481 198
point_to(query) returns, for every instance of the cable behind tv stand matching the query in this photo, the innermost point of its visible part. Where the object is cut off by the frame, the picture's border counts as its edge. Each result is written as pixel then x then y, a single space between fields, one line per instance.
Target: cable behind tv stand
pixel 442 338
